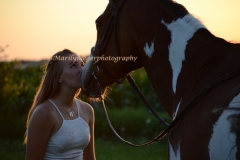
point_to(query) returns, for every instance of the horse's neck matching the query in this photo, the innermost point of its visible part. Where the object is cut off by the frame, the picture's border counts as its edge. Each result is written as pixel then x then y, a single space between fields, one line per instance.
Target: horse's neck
pixel 180 57
pixel 205 59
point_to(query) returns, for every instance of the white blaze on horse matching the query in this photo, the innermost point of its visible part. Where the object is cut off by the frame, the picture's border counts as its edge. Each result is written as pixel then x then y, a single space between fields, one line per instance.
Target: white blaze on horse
pixel 183 60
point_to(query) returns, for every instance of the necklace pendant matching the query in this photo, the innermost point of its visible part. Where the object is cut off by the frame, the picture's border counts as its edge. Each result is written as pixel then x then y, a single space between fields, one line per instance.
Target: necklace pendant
pixel 71 114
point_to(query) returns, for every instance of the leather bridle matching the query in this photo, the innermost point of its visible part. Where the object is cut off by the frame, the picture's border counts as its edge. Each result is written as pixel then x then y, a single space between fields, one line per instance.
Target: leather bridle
pixel 111 26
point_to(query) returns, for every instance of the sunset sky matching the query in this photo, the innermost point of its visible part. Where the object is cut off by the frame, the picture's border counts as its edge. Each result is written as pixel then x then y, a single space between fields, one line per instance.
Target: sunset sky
pixel 36 29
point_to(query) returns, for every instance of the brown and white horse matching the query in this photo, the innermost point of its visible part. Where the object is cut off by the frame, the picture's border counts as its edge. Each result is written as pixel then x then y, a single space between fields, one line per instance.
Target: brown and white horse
pixel 181 58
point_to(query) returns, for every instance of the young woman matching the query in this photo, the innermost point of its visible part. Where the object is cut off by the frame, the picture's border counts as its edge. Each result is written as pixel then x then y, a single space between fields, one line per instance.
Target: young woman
pixel 60 126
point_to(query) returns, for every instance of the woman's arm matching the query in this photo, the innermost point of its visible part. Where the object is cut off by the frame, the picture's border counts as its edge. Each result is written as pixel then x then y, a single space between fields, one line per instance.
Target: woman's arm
pixel 39 131
pixel 89 151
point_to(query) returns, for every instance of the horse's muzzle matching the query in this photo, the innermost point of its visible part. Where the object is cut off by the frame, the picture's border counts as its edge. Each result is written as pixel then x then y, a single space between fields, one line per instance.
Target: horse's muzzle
pixel 89 84
pixel 92 89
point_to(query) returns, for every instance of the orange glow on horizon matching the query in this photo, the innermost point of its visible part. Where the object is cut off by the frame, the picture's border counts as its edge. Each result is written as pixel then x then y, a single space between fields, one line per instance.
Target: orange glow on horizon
pixel 35 30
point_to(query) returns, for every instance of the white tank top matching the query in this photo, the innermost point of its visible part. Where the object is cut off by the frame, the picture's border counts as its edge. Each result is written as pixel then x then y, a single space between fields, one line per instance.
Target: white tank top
pixel 70 140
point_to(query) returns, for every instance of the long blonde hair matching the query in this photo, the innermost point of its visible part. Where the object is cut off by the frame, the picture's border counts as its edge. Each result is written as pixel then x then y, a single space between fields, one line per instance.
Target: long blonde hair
pixel 49 85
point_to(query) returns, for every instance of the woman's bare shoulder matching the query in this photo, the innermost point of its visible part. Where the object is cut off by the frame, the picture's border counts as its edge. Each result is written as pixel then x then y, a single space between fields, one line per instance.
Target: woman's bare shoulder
pixel 44 108
pixel 44 112
pixel 85 106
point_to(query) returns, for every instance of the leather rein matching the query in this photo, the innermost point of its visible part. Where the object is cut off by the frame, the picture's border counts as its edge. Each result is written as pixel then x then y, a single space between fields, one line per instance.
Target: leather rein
pixel 102 44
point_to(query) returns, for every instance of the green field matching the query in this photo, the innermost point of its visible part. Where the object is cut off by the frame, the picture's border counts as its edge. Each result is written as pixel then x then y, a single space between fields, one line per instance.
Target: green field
pixel 117 150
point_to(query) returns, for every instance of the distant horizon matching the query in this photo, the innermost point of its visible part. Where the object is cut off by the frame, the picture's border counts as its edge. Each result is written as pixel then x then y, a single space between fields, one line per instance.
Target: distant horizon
pixel 2 55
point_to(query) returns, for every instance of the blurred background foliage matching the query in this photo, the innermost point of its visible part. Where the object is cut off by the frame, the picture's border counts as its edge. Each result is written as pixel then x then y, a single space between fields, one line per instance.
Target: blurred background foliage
pixel 19 82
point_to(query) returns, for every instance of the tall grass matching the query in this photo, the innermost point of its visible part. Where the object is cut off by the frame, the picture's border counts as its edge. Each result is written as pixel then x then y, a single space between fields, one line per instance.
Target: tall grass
pixel 136 125
pixel 116 150
pixel 11 150
pixel 129 122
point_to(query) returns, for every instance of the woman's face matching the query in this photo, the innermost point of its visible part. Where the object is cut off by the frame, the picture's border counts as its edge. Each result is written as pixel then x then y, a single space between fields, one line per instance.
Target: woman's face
pixel 72 70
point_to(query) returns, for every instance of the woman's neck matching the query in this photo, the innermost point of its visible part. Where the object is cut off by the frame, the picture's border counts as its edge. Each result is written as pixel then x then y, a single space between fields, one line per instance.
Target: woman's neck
pixel 65 98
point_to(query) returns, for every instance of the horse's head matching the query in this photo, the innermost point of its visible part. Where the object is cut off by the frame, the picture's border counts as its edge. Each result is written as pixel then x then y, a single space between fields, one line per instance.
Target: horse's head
pixel 123 38
pixel 109 62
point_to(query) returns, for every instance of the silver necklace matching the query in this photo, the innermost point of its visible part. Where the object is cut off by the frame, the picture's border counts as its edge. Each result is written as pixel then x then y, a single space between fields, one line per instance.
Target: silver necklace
pixel 70 113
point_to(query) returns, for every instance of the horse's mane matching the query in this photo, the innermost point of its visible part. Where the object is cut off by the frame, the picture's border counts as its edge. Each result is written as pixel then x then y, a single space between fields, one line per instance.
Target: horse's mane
pixel 177 8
